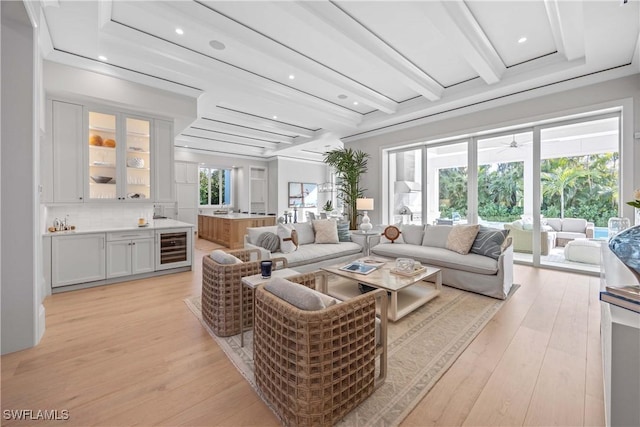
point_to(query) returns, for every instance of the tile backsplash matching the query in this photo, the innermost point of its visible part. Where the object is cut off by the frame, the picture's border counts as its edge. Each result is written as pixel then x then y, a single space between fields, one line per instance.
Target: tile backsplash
pixel 85 216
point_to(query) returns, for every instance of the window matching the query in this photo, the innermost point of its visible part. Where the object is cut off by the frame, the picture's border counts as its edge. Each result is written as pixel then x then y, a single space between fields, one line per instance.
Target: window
pixel 215 187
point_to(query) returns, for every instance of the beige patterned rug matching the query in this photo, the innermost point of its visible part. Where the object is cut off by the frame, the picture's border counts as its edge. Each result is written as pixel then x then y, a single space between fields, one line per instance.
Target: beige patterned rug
pixel 422 346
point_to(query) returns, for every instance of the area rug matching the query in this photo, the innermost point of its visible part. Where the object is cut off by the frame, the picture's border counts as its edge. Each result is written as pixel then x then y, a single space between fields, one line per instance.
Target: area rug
pixel 421 347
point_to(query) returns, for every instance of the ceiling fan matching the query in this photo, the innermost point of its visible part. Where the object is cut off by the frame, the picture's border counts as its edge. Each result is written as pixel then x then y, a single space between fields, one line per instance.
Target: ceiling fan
pixel 514 144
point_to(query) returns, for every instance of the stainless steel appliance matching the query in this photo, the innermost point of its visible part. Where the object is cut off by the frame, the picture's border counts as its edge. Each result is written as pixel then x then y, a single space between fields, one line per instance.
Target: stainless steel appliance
pixel 174 248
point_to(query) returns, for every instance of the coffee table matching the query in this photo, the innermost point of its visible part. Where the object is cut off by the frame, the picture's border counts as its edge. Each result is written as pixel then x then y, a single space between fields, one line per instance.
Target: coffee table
pixel 407 292
pixel 255 281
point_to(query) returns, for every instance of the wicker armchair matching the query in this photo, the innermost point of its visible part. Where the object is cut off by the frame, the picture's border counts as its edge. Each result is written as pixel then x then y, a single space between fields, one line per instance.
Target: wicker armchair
pixel 314 367
pixel 221 289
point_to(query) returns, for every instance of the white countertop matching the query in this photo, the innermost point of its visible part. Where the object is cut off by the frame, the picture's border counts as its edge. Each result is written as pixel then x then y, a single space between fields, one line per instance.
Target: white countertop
pixel 156 224
pixel 237 216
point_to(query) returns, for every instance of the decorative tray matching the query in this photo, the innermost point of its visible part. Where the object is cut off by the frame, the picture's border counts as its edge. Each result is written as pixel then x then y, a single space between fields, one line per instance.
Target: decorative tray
pixel 415 272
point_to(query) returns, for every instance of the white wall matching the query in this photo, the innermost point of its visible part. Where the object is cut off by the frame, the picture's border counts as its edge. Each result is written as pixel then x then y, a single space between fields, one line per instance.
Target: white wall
pixel 22 311
pixel 619 92
pixel 73 83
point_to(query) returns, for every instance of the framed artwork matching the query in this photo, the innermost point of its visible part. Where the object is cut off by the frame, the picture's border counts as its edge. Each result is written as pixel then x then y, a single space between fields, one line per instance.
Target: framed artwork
pixel 303 195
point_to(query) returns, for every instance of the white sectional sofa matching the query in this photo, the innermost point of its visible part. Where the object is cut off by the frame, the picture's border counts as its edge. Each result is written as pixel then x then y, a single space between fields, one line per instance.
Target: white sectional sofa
pixel 472 271
pixel 309 255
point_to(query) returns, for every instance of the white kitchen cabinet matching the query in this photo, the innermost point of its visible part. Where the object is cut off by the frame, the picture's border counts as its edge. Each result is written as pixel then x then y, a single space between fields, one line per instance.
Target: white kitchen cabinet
pixel 77 259
pixel 67 149
pixel 164 185
pixel 186 173
pixel 130 253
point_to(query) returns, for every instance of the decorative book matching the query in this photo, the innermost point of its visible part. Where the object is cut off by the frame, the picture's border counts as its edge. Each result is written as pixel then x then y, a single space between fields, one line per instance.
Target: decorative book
pixel 631 292
pixel 359 267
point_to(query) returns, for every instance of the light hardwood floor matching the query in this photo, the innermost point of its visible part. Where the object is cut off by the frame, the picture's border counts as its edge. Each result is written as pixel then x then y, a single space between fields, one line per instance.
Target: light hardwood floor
pixel 133 354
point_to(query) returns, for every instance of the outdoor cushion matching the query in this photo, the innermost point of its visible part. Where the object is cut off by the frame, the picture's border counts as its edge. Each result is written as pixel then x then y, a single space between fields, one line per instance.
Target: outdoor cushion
pixel 489 242
pixel 269 241
pixel 326 231
pixel 221 257
pixel 556 223
pixel 436 236
pixel 462 237
pixel 574 225
pixel 412 234
pixel 305 233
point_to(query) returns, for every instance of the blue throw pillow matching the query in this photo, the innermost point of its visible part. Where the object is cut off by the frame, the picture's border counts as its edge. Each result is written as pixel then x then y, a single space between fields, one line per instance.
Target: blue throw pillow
pixel 488 242
pixel 343 232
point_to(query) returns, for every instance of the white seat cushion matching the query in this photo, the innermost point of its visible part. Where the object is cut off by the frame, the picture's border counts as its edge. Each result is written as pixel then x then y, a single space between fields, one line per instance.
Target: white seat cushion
pixel 583 250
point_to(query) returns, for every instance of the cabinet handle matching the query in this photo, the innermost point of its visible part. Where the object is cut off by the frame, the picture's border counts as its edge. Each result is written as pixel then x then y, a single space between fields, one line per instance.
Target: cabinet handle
pixel 80 198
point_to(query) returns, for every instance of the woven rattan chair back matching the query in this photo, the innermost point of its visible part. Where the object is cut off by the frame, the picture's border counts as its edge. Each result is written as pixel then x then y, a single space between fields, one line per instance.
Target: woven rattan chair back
pixel 314 367
pixel 221 290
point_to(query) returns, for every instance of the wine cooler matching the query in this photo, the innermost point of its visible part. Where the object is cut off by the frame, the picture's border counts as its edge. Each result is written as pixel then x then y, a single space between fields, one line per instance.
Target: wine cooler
pixel 174 248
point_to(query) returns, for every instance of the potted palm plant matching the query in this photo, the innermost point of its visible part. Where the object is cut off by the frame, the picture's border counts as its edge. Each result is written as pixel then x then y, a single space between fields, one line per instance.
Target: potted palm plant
pixel 349 164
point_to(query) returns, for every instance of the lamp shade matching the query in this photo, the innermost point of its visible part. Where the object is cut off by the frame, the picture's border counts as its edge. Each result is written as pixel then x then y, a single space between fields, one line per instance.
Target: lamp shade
pixel 364 204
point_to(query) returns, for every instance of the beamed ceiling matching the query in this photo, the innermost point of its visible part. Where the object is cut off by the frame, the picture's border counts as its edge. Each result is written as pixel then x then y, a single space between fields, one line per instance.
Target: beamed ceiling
pixel 296 77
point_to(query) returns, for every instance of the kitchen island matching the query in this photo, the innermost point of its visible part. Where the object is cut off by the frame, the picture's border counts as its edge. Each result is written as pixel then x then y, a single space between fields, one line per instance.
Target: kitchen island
pixel 229 229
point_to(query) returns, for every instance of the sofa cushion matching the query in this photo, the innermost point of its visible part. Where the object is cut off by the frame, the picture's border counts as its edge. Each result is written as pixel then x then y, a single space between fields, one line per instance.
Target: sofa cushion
pixel 221 257
pixel 305 233
pixel 288 238
pixel 316 253
pixel 343 231
pixel 574 225
pixel 254 232
pixel 439 257
pixel 412 234
pixel 326 231
pixel 269 241
pixel 298 295
pixel 436 236
pixel 462 237
pixel 568 235
pixel 489 242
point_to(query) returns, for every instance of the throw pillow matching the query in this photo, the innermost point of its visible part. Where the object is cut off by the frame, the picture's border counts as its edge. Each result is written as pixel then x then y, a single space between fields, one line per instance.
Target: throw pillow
pixel 326 231
pixel 343 232
pixel 489 242
pixel 269 241
pixel 412 234
pixel 305 233
pixel 288 238
pixel 436 236
pixel 298 295
pixel 461 238
pixel 221 257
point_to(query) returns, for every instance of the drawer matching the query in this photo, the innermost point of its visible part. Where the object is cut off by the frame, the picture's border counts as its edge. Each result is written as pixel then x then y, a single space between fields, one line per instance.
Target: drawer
pixel 128 235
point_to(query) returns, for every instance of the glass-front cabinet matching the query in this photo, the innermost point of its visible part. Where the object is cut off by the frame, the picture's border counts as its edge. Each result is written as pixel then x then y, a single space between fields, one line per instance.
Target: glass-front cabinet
pixel 119 157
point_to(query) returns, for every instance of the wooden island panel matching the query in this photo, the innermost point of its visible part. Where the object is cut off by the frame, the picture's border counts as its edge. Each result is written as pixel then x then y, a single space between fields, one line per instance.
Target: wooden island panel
pixel 229 230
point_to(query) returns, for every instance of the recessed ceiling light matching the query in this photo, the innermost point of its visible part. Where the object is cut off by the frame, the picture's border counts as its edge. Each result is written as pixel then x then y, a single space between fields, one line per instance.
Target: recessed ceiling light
pixel 179 31
pixel 291 77
pixel 522 39
pixel 103 58
pixel 342 96
pixel 275 117
pixel 217 45
pixel 355 102
pixel 186 146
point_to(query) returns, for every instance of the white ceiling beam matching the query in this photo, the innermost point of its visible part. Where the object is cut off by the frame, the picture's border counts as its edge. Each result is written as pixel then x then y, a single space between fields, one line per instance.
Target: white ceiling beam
pixel 202 132
pixel 256 41
pixel 456 23
pixel 258 137
pixel 227 112
pixel 217 146
pixel 105 8
pixel 330 14
pixel 203 66
pixel 567 26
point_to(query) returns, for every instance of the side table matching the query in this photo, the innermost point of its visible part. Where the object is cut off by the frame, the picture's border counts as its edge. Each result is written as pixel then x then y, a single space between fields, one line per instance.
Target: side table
pixel 255 281
pixel 367 237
